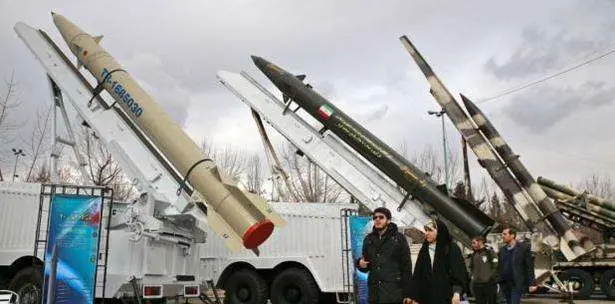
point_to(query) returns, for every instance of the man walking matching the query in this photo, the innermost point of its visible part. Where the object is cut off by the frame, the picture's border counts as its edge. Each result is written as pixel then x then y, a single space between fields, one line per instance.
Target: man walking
pixel 386 256
pixel 483 266
pixel 516 267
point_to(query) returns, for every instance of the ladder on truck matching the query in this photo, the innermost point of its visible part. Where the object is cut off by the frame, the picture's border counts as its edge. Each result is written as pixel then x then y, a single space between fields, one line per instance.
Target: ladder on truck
pixel 361 180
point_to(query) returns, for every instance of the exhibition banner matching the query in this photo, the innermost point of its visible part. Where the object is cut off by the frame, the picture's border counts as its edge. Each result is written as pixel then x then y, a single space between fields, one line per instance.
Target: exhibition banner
pixel 72 249
pixel 360 226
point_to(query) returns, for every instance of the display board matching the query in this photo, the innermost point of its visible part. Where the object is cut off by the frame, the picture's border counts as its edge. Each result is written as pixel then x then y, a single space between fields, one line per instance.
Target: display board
pixel 71 252
pixel 360 226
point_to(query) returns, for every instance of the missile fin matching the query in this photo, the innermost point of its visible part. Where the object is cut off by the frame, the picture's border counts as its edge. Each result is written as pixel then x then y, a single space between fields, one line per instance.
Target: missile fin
pixel 256 203
pixel 98 38
pixel 264 208
pixel 232 240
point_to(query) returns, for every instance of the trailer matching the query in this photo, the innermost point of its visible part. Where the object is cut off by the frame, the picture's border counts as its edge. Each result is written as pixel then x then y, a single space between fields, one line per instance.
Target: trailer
pixel 308 260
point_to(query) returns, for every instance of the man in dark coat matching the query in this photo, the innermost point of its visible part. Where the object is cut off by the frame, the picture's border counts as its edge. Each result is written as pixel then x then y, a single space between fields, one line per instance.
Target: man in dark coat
pixel 440 275
pixel 386 256
pixel 516 267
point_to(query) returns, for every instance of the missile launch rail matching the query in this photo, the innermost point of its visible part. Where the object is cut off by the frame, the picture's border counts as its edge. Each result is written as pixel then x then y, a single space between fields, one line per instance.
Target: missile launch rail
pixel 360 179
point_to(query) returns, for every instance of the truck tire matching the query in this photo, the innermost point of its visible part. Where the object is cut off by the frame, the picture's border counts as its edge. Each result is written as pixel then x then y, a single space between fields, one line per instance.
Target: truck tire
pixel 608 284
pixel 28 284
pixel 584 282
pixel 294 286
pixel 245 286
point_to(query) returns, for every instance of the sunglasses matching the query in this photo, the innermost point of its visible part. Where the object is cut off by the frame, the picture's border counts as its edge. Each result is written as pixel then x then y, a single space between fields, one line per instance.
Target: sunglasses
pixel 378 217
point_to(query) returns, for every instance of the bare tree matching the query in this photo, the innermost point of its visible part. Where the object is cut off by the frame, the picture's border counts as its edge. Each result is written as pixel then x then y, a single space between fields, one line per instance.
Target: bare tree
pixel 231 162
pixel 39 139
pixel 254 174
pixel 8 103
pixel 103 170
pixel 431 161
pixel 308 182
pixel 598 185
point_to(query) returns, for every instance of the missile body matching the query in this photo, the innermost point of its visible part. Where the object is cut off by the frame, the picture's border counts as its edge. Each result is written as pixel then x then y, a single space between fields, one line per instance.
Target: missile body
pixel 248 216
pixel 413 180
pixel 590 199
pixel 527 181
pixel 581 202
pixel 487 158
pixel 491 161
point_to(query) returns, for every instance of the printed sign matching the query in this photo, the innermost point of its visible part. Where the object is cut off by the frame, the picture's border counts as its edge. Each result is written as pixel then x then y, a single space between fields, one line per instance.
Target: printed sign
pixel 72 249
pixel 360 226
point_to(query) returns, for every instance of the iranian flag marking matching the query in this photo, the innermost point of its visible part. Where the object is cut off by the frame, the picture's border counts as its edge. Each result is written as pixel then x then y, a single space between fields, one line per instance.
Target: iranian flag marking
pixel 325 111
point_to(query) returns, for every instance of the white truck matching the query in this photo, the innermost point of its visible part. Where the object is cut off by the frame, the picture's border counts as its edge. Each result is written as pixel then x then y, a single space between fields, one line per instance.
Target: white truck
pixel 306 262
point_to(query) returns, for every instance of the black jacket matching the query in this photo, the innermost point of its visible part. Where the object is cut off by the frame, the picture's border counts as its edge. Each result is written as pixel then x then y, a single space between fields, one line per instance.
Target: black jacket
pixel 449 273
pixel 522 266
pixel 390 267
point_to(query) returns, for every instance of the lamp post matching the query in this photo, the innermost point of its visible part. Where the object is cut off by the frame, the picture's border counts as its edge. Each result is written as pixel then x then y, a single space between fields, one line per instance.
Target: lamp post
pixel 441 115
pixel 17 153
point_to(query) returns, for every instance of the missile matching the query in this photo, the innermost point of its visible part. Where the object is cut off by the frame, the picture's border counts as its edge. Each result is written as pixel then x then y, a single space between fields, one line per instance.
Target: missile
pixel 582 202
pixel 527 181
pixel 416 183
pixel 242 219
pixel 489 159
pixel 590 199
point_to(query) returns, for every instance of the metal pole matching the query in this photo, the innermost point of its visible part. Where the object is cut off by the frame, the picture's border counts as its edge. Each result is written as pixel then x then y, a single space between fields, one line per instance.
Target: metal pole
pixel 446 174
pixel 466 171
pixel 17 153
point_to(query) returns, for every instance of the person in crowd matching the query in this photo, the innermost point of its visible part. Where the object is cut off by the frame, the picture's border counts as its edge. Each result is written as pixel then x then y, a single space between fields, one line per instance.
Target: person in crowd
pixel 386 256
pixel 440 275
pixel 484 267
pixel 516 267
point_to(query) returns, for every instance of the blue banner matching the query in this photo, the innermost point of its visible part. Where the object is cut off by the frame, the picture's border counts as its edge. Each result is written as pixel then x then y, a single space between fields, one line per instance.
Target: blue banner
pixel 72 249
pixel 360 226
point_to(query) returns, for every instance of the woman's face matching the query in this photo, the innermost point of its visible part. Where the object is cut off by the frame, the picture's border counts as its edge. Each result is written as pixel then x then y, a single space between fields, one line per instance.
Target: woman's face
pixel 430 235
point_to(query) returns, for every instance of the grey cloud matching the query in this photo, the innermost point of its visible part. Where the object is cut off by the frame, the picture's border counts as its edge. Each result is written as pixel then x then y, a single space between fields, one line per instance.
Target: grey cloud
pixel 540 108
pixel 540 52
pixel 378 113
pixel 576 33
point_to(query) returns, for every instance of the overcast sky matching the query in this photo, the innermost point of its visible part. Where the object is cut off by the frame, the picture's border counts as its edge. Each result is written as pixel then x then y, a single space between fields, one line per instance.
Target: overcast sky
pixel 350 52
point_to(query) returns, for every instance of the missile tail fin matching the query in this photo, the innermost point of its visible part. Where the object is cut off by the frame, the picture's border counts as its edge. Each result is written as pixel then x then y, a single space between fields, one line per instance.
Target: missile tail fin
pixel 98 38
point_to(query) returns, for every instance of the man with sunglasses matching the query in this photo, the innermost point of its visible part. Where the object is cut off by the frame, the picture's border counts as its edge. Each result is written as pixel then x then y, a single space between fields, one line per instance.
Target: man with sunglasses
pixel 386 256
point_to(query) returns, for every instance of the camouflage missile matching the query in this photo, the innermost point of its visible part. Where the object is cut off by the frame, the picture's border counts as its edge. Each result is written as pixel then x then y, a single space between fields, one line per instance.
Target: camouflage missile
pixel 487 158
pixel 581 202
pixel 591 199
pixel 241 218
pixel 527 181
pixel 465 216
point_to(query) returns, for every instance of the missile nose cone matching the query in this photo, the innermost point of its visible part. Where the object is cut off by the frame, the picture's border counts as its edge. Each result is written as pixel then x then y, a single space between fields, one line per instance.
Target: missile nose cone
pixel 259 62
pixel 472 109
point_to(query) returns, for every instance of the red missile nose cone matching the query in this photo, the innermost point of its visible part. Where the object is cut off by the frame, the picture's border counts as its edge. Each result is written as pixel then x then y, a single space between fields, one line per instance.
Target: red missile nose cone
pixel 257 234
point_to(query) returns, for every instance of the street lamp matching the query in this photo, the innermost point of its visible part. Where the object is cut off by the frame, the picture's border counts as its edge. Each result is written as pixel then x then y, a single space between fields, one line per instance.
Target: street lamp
pixel 17 153
pixel 441 115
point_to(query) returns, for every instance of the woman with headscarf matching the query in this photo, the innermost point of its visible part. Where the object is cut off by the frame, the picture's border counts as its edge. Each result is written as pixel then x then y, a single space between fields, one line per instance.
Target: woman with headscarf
pixel 440 275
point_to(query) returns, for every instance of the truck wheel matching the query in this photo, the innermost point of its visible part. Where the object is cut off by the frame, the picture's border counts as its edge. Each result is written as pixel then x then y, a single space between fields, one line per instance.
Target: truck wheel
pixel 28 284
pixel 294 286
pixel 608 284
pixel 583 283
pixel 245 286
